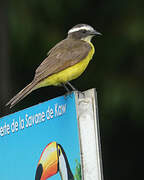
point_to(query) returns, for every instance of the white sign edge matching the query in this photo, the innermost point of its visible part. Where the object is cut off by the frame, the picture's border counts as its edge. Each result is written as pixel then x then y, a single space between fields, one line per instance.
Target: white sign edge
pixel 89 100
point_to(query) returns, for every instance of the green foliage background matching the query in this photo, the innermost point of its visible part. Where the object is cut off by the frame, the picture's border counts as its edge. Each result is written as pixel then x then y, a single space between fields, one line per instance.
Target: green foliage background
pixel 77 171
pixel 116 71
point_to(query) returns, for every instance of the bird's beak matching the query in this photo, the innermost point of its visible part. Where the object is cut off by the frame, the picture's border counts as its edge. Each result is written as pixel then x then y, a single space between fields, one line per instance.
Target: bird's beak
pixel 48 163
pixel 95 33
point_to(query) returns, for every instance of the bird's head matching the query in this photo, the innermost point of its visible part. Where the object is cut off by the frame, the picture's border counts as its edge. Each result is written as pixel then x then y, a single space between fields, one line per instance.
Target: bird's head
pixel 53 159
pixel 82 32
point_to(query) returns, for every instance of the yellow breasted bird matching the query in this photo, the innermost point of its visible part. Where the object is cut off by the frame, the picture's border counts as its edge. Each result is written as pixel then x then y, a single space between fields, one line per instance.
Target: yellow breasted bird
pixel 66 61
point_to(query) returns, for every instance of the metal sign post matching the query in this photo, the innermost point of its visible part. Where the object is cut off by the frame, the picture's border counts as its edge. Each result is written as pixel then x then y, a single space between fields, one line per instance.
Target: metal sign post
pixel 87 113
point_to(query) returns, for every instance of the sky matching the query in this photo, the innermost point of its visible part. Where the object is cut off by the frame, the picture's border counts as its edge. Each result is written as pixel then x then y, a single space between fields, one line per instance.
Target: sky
pixel 24 135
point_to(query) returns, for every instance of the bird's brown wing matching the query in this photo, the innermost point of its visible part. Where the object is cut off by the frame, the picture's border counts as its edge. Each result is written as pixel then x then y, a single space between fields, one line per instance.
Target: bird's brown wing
pixel 65 54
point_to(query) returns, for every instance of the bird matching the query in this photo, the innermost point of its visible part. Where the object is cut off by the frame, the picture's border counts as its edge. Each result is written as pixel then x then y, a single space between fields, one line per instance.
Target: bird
pixel 66 61
pixel 53 160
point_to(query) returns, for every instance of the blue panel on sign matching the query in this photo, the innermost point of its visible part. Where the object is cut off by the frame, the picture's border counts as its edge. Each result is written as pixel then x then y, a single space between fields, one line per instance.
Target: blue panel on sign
pixel 39 140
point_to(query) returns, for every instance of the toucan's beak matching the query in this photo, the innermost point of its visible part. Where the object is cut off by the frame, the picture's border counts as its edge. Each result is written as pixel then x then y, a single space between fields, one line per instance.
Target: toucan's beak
pixel 48 163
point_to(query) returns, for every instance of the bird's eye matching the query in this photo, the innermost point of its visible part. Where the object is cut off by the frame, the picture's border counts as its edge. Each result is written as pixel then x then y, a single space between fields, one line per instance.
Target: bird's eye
pixel 84 31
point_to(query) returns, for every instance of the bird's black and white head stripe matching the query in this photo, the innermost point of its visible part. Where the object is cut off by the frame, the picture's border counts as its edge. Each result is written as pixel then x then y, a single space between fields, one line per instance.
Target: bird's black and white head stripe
pixel 81 27
pixel 82 32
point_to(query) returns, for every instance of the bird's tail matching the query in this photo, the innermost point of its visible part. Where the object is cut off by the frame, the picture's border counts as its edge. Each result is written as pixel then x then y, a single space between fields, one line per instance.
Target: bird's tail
pixel 22 94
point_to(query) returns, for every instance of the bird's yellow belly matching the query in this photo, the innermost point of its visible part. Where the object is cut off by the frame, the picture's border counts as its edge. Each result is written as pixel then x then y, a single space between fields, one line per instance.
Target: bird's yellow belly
pixel 68 74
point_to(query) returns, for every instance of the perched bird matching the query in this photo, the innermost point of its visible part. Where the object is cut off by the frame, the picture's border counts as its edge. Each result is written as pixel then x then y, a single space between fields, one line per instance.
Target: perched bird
pixel 66 61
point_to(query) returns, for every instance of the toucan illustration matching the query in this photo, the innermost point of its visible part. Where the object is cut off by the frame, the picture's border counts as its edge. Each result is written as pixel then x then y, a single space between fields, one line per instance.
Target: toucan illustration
pixel 53 160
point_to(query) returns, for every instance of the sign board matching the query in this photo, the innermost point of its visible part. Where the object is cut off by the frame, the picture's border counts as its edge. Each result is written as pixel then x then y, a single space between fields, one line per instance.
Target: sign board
pixel 48 140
